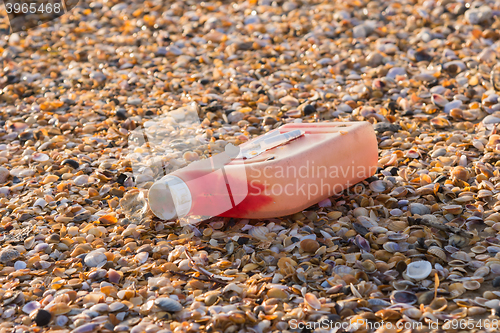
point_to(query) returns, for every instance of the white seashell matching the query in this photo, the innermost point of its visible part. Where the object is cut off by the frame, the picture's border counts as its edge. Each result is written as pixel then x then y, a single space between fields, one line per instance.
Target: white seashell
pixel 40 157
pixel 439 100
pixel 142 257
pixel 31 306
pixel 377 186
pixel 259 232
pixel 19 265
pixel 367 222
pixel 96 259
pixel 40 203
pixel 61 320
pixel 168 304
pixel 472 285
pixel 418 270
pixel 311 300
pixel 452 105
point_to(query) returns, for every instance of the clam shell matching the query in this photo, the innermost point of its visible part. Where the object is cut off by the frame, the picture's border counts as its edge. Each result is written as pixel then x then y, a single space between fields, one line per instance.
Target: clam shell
pixel 362 243
pixel 391 247
pixel 378 186
pixel 406 297
pixel 456 289
pixel 478 249
pixel 452 209
pixel 311 300
pixel 397 225
pixel 397 236
pixel 472 285
pixel 168 304
pixel 439 304
pixel 438 252
pixel 413 313
pixel 259 232
pixel 418 270
pixel 461 255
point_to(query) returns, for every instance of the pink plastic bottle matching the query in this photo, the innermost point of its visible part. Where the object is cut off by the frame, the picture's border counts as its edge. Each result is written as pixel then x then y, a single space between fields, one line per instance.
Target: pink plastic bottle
pixel 276 174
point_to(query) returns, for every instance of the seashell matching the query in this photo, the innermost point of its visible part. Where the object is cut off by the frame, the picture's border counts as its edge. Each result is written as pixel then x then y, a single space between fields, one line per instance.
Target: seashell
pixel 426 297
pixel 495 77
pixel 456 289
pixel 368 266
pixel 309 245
pixel 494 268
pixel 18 265
pixel 40 157
pixel 475 310
pixel 418 208
pixel 391 247
pixel 461 255
pixel 406 297
pixel 85 328
pixel 378 186
pixel 397 236
pixel 452 209
pixel 287 265
pixel 482 271
pixel 413 313
pixel 168 304
pixel 367 222
pixel 311 300
pixel 9 254
pixel 439 100
pixel 457 263
pixel 472 285
pixel 388 314
pixel 439 304
pixel 394 225
pixel 61 320
pixel 418 270
pixel 31 306
pixel 451 249
pixel 116 306
pixel 478 249
pixel 362 243
pixel 95 259
pixel 458 241
pixel 400 191
pixel 402 284
pixel 438 252
pixel 493 249
pixel 460 173
pixel 454 66
pixel 141 257
pixel 396 212
pixel 378 302
pixel 259 232
pixel 484 194
pixel 40 203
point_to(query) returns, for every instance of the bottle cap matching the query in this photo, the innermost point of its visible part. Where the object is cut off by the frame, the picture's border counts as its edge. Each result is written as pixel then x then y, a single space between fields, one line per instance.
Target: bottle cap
pixel 170 198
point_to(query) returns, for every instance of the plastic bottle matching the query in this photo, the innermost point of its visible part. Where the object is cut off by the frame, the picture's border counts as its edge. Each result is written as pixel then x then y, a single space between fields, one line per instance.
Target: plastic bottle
pixel 279 173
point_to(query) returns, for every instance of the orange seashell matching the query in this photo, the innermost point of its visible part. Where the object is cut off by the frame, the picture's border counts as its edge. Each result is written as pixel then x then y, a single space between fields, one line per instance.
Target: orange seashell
pixel 108 219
